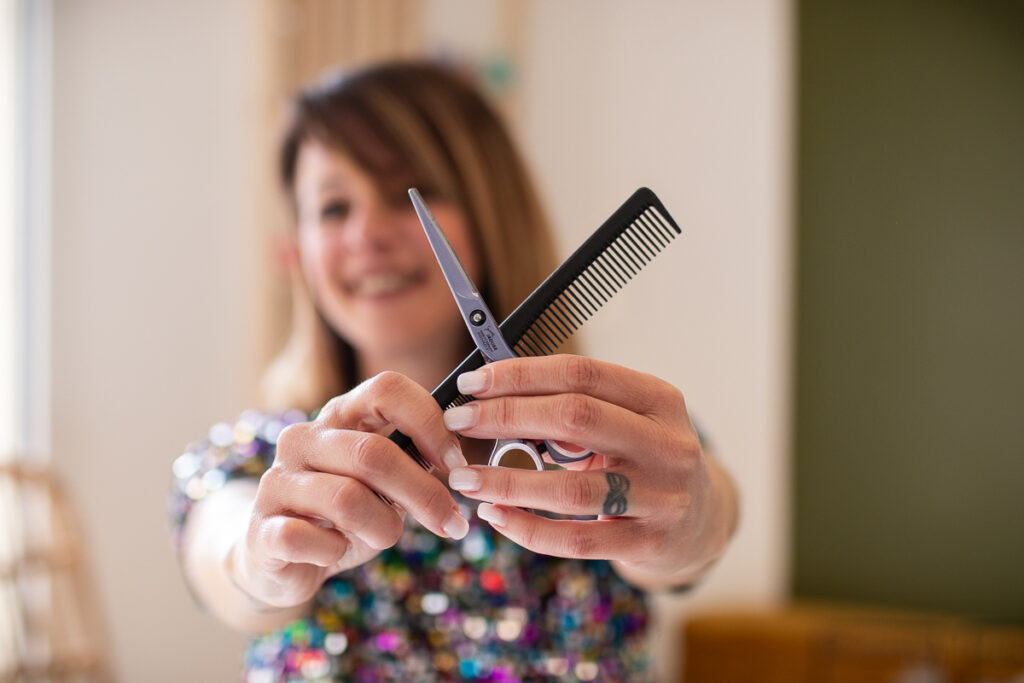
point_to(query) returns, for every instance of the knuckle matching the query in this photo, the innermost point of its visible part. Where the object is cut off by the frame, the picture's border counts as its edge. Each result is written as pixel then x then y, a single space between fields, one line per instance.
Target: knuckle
pixel 392 530
pixel 504 486
pixel 516 377
pixel 334 552
pixel 435 500
pixel 578 415
pixel 673 397
pixel 332 410
pixel 578 543
pixel 387 382
pixel 290 442
pixel 653 542
pixel 528 536
pixel 367 452
pixel 680 502
pixel 684 449
pixel 662 398
pixel 505 413
pixel 273 477
pixel 273 487
pixel 285 537
pixel 581 373
pixel 344 496
pixel 268 491
pixel 426 418
pixel 578 493
pixel 691 449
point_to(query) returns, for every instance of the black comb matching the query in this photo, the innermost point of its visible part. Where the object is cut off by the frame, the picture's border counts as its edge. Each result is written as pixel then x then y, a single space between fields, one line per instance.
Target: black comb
pixel 573 293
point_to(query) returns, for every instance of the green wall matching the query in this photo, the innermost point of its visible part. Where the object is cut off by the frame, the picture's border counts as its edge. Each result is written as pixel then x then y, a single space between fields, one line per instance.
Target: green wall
pixel 909 463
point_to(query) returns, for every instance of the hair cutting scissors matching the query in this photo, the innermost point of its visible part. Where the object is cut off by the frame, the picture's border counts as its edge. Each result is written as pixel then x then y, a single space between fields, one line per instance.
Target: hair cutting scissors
pixel 483 327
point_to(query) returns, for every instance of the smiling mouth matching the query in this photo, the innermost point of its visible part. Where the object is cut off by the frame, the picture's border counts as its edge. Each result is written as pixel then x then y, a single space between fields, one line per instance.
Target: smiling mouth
pixel 383 284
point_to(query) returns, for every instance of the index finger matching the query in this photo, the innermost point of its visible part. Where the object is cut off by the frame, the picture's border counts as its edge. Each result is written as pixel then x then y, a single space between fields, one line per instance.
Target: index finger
pixel 392 401
pixel 639 392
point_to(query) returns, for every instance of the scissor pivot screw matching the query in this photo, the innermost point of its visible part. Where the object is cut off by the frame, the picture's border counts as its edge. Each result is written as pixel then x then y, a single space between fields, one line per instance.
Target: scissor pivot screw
pixel 478 317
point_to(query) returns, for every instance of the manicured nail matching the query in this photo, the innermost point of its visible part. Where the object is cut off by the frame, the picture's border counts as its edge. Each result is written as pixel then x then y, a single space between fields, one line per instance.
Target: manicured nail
pixel 455 526
pixel 461 417
pixel 464 479
pixel 489 513
pixel 452 456
pixel 472 382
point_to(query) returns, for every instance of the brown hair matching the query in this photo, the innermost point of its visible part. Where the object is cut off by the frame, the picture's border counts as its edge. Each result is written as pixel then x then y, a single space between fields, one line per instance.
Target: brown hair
pixel 411 124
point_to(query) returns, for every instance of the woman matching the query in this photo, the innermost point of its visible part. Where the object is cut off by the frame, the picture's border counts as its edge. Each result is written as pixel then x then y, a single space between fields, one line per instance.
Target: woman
pixel 503 574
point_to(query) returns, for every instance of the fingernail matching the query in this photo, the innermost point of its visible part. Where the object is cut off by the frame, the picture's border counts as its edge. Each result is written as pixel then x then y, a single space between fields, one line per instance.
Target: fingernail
pixel 452 456
pixel 464 479
pixel 455 526
pixel 489 513
pixel 472 382
pixel 460 417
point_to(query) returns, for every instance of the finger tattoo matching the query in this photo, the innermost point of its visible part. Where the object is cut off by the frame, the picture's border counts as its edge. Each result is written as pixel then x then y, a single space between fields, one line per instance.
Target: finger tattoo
pixel 615 502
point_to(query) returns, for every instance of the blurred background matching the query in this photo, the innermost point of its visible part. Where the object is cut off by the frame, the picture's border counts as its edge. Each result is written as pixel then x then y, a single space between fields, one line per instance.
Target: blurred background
pixel 844 313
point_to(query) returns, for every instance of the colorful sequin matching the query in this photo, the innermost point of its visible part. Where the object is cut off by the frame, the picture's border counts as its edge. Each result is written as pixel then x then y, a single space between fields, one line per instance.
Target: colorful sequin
pixel 433 609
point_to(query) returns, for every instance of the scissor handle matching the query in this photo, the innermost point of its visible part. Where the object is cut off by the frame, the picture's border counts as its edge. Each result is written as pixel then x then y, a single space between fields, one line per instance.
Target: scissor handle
pixel 558 453
pixel 503 447
pixel 482 326
pixel 562 455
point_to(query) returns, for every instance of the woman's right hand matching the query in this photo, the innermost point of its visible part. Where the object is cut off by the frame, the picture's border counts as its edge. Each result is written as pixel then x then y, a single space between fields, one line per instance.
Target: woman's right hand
pixel 316 512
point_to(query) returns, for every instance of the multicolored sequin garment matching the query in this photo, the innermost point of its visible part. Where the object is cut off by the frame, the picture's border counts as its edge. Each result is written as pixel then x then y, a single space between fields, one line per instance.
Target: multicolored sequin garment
pixel 433 609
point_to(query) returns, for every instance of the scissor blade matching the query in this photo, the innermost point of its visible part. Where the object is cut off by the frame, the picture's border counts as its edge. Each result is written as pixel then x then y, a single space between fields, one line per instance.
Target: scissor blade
pixel 478 317
pixel 451 266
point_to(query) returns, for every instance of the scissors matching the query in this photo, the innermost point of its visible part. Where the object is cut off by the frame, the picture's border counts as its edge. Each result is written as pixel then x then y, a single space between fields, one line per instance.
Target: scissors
pixel 483 327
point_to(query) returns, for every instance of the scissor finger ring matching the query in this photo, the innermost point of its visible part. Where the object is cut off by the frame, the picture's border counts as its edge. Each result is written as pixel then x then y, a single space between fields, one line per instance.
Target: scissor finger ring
pixel 561 455
pixel 504 446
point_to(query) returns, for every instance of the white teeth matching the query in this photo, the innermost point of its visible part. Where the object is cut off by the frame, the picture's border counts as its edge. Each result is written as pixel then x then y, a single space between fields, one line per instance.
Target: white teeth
pixel 375 285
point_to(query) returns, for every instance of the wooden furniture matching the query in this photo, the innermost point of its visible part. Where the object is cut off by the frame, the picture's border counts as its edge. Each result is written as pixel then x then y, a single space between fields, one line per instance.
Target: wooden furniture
pixel 839 644
pixel 50 626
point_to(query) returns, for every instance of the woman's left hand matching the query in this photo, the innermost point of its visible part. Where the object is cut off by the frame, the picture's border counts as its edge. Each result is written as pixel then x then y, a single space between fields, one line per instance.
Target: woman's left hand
pixel 664 510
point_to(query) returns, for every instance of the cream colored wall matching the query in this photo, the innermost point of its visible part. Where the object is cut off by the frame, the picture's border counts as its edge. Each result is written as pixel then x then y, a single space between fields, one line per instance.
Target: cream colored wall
pixel 692 100
pixel 150 305
pixel 153 256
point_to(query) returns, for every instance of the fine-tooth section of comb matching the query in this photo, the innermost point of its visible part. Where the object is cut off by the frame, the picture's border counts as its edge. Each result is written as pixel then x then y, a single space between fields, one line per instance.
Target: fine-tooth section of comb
pixel 612 256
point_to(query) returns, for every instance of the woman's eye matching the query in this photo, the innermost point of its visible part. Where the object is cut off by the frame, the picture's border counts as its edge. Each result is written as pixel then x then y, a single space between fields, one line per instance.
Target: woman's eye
pixel 334 210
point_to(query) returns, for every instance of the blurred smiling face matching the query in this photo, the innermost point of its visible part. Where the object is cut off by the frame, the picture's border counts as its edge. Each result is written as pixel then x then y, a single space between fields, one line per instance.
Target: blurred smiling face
pixel 368 264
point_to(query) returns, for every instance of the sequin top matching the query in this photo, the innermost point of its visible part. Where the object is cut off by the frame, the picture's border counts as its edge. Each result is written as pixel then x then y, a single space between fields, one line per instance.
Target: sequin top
pixel 430 608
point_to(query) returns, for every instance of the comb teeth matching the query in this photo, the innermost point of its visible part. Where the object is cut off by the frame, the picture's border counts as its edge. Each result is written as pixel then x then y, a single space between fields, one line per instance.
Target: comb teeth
pixel 589 278
pixel 406 444
pixel 618 262
pixel 417 456
pixel 637 232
